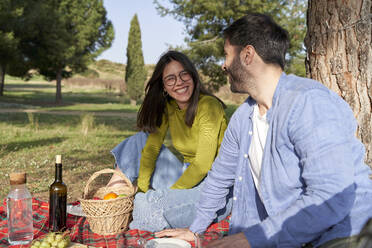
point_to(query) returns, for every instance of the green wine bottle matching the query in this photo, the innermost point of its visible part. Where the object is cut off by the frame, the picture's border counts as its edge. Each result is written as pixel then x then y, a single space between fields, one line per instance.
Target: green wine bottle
pixel 57 200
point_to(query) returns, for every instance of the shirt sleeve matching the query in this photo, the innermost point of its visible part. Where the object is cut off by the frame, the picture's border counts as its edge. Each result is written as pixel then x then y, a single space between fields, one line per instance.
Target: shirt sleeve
pixel 220 178
pixel 149 155
pixel 322 131
pixel 212 122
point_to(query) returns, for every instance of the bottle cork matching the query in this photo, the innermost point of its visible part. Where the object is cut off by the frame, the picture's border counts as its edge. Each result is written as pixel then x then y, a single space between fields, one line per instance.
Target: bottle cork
pixel 17 178
pixel 58 159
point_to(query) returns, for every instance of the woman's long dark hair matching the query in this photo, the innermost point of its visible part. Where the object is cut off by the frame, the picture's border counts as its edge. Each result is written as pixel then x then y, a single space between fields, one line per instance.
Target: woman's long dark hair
pixel 153 107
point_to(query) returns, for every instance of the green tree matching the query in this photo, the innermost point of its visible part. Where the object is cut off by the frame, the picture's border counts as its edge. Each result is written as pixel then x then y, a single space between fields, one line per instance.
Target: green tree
pixel 70 34
pixel 135 75
pixel 12 14
pixel 206 19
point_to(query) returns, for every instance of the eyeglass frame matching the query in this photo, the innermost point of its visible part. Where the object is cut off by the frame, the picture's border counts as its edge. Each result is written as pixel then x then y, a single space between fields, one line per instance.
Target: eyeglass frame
pixel 177 76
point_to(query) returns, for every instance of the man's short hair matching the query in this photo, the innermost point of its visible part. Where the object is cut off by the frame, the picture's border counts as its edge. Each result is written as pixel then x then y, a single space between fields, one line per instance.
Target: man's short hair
pixel 270 41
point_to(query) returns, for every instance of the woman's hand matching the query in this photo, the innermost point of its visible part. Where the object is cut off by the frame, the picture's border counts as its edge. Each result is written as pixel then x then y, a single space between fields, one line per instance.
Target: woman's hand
pixel 178 233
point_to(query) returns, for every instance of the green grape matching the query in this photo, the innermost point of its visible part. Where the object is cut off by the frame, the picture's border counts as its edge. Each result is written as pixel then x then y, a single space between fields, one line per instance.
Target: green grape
pixel 37 243
pixel 50 239
pixel 59 237
pixel 55 243
pixel 45 244
pixel 67 239
pixel 62 244
pixel 34 246
pixel 51 234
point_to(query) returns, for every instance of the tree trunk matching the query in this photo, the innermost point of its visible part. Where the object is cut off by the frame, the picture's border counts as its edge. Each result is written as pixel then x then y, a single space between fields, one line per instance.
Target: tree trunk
pixel 2 79
pixel 338 43
pixel 58 87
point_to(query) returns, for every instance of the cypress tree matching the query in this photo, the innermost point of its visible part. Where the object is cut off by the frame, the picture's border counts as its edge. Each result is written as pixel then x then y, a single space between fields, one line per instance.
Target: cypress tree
pixel 135 75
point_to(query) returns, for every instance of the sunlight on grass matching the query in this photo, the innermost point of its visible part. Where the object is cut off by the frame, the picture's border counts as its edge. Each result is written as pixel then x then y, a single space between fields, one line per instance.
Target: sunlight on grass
pixel 22 147
pixel 42 95
pixel 87 124
pixel 91 107
pixel 33 122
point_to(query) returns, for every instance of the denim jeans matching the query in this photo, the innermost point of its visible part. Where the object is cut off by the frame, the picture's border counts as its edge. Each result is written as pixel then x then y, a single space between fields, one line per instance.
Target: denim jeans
pixel 161 207
pixel 128 156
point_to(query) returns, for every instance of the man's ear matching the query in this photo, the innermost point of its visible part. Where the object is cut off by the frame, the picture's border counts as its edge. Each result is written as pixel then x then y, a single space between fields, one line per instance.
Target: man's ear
pixel 247 54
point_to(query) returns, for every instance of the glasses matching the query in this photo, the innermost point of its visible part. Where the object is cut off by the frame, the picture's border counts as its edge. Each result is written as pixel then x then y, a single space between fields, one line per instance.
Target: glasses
pixel 172 79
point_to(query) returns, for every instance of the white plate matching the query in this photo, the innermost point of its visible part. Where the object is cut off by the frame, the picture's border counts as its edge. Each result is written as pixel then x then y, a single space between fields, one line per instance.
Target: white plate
pixel 75 210
pixel 168 243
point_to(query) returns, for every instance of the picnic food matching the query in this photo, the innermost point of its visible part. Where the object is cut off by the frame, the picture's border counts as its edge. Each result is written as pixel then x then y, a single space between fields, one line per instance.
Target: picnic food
pixel 110 196
pixel 57 200
pixel 107 217
pixel 53 240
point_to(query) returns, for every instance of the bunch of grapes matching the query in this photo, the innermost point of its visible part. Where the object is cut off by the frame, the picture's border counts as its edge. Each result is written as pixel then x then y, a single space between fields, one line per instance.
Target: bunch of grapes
pixel 52 240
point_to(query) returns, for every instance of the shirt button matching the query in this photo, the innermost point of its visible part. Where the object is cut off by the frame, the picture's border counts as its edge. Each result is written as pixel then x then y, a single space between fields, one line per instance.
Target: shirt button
pixel 250 132
pixel 240 178
pixel 246 155
pixel 234 198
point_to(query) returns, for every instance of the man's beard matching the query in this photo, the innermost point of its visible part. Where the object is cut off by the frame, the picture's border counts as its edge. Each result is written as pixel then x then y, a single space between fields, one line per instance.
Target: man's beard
pixel 238 77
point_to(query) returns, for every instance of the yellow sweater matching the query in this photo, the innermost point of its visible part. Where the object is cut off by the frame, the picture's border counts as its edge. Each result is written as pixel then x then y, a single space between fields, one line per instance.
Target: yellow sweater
pixel 199 144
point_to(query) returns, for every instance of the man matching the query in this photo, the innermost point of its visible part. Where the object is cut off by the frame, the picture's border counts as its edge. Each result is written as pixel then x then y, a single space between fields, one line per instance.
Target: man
pixel 290 151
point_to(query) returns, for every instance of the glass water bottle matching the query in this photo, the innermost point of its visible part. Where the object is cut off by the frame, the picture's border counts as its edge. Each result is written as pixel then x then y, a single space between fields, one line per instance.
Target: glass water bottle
pixel 19 211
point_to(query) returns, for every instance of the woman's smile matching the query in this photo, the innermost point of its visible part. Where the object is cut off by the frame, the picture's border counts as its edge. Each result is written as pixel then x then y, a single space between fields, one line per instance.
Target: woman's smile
pixel 178 83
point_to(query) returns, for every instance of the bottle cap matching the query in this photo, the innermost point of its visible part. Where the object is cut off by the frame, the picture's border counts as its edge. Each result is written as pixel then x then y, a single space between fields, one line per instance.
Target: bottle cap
pixel 58 159
pixel 17 178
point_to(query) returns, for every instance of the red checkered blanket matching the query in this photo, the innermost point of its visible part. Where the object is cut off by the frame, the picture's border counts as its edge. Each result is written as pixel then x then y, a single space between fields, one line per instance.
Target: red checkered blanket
pixel 80 231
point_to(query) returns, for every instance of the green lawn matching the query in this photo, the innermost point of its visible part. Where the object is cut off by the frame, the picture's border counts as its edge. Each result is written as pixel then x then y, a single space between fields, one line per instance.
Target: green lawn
pixel 30 142
pixel 41 94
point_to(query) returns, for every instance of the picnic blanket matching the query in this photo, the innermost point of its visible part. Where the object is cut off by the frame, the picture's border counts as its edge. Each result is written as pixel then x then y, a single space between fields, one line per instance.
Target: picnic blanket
pixel 80 231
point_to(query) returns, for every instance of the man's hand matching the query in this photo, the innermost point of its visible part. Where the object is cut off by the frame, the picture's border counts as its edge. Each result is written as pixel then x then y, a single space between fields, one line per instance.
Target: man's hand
pixel 178 233
pixel 233 241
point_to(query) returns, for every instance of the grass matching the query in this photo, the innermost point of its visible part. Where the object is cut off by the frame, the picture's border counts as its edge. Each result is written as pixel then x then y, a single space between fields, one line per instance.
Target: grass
pixel 84 142
pixel 41 94
pixel 30 141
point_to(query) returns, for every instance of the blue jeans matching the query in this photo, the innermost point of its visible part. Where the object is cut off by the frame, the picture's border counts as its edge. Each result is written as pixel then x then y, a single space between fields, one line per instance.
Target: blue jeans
pixel 162 207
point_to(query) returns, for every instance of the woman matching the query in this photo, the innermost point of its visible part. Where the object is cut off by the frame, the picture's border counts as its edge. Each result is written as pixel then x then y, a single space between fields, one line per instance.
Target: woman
pixel 175 101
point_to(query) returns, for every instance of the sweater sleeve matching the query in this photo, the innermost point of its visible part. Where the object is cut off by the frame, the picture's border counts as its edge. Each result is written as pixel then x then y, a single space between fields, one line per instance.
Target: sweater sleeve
pixel 149 155
pixel 212 123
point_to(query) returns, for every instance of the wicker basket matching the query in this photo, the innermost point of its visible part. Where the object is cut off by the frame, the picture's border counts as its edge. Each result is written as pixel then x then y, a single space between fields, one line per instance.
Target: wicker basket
pixel 112 216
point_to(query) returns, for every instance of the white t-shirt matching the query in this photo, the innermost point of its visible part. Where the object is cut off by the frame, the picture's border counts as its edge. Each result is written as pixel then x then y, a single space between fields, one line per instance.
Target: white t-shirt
pixel 259 134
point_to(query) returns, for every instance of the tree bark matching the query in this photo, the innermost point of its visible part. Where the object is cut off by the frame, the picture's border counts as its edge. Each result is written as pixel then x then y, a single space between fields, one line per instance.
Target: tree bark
pixel 2 79
pixel 338 43
pixel 58 87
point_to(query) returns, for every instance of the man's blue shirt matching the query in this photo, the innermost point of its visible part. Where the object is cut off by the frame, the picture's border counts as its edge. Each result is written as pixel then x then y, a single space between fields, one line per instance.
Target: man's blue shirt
pixel 314 183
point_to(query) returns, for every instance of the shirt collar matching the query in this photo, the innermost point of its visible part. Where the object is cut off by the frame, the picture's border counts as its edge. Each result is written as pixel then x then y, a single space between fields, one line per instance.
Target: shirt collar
pixel 251 102
pixel 278 89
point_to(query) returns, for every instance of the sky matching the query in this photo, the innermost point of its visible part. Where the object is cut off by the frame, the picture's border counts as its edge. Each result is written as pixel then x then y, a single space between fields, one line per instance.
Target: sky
pixel 157 32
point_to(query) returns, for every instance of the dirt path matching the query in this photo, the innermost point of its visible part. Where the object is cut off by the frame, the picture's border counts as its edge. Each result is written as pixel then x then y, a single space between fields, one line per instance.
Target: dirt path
pixel 36 111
